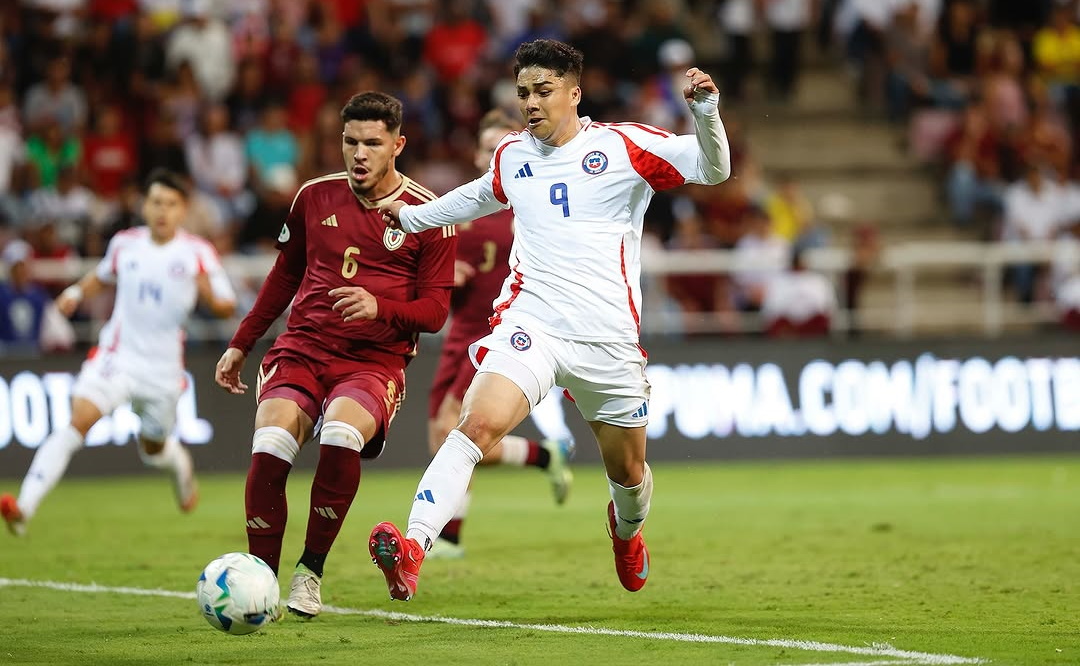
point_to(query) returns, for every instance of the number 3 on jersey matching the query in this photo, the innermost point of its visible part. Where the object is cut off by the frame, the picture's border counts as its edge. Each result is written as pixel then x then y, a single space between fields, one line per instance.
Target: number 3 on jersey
pixel 349 266
pixel 559 198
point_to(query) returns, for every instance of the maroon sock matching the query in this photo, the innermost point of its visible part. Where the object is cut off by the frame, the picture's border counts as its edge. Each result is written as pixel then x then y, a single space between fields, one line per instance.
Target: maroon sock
pixel 267 509
pixel 538 456
pixel 336 479
pixel 452 531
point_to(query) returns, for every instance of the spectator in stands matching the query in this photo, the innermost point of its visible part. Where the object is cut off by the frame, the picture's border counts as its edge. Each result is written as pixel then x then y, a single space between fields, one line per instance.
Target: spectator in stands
pixel 975 180
pixel 1032 211
pixel 110 157
pixel 793 217
pixel 1065 271
pixel 217 162
pixel 271 145
pixel 1056 50
pixel 759 255
pixel 22 302
pixel 49 151
pixel 455 44
pixel 798 303
pixel 203 41
pixel 661 98
pixel 738 20
pixel 698 295
pixel 12 154
pixel 954 56
pixel 69 205
pixel 248 98
pixel 56 100
pixel 787 20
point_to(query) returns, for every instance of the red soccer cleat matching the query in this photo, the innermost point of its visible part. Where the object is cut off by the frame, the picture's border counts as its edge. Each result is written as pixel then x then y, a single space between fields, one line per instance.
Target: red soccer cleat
pixel 398 558
pixel 13 516
pixel 631 557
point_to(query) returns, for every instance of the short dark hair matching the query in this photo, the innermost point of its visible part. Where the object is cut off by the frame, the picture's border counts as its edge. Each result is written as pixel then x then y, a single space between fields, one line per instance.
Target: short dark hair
pixel 169 179
pixel 374 105
pixel 557 56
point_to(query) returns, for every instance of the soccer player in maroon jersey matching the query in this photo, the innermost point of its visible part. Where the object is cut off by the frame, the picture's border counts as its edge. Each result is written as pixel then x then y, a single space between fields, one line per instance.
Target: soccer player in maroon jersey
pixel 480 269
pixel 363 293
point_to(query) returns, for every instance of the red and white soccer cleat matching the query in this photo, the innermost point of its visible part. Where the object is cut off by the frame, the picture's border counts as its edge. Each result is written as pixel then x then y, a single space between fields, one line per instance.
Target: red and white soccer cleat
pixel 398 558
pixel 631 556
pixel 13 516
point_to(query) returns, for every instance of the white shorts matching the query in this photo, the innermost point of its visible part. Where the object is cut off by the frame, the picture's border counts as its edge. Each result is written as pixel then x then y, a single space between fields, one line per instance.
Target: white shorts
pixel 154 400
pixel 605 379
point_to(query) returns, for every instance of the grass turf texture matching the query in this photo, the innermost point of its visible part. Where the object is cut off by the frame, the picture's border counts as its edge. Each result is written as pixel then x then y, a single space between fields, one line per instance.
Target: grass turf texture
pixel 969 557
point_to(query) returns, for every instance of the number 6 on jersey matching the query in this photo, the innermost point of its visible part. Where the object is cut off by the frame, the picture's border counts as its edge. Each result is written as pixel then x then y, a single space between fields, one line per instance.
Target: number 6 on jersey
pixel 559 198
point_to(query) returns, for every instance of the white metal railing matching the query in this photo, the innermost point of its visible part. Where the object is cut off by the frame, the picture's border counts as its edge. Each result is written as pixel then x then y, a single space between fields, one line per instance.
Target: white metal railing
pixel 986 308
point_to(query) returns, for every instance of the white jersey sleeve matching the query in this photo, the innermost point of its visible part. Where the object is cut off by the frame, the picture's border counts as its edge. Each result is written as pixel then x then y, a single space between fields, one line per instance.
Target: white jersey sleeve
pixel 703 158
pixel 210 263
pixel 465 203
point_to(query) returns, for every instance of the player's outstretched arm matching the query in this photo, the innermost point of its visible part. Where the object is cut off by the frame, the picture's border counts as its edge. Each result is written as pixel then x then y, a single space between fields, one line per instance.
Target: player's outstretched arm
pixel 221 305
pixel 703 98
pixel 227 372
pixel 464 203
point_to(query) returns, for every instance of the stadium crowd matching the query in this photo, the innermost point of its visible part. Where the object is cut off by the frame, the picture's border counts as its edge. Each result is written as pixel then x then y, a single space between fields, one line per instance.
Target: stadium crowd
pixel 243 96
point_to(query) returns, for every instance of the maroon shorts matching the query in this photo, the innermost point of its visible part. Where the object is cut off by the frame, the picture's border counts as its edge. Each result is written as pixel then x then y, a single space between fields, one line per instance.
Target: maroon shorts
pixel 313 378
pixel 452 377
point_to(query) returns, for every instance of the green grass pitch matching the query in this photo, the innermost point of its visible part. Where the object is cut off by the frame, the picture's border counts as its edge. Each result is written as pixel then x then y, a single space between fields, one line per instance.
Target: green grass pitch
pixel 852 562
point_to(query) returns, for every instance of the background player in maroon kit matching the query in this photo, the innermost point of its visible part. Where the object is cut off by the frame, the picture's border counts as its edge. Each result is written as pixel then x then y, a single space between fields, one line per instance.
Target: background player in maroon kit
pixel 480 269
pixel 363 294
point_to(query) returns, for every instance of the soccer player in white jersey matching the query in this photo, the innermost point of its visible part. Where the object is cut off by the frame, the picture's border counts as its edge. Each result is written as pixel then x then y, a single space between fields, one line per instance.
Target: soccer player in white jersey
pixel 568 312
pixel 160 272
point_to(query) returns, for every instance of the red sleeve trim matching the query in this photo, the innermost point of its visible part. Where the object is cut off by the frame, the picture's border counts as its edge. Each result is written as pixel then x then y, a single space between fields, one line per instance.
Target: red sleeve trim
pixel 496 183
pixel 657 172
pixel 658 131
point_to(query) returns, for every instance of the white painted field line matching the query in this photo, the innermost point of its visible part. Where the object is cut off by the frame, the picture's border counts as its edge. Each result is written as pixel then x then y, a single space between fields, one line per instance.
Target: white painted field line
pixel 906 657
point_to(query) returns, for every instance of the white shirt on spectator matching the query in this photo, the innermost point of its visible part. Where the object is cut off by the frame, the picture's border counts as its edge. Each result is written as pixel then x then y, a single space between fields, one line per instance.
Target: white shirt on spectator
pixel 797 296
pixel 216 161
pixel 209 50
pixel 1031 215
pixel 758 259
pixel 787 15
pixel 12 154
pixel 737 16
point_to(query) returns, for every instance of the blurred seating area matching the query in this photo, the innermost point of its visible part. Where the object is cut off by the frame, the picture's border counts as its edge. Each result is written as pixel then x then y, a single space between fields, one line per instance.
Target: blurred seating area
pixel 243 96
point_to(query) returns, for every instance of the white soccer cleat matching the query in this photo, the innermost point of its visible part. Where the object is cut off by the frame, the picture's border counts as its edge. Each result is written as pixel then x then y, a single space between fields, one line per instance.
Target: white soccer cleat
pixel 305 593
pixel 445 550
pixel 558 469
pixel 13 515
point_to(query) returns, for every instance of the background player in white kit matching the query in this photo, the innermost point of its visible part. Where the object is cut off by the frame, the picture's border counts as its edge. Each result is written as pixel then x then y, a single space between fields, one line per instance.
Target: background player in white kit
pixel 568 314
pixel 160 272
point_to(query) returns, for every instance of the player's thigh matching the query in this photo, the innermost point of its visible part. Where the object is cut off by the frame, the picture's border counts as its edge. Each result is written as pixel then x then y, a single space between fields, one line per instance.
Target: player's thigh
pixel 446 419
pixel 285 413
pixel 622 450
pixel 366 393
pixel 452 376
pixel 98 390
pixel 290 394
pixel 607 382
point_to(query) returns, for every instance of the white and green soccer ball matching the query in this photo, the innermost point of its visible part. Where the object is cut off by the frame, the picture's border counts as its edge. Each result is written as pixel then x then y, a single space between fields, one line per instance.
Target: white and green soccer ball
pixel 238 593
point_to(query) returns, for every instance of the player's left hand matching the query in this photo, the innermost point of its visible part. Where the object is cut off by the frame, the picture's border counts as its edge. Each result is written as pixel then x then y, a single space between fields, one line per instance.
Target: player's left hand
pixel 390 213
pixel 354 303
pixel 700 85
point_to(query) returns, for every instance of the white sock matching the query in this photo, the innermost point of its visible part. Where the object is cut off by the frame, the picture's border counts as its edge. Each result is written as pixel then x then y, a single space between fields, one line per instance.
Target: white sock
pixel 549 417
pixel 463 508
pixel 515 451
pixel 169 458
pixel 631 505
pixel 442 488
pixel 50 462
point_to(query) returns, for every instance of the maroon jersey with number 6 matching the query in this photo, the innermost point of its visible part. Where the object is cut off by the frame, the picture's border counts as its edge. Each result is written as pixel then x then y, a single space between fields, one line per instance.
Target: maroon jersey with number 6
pixel 333 238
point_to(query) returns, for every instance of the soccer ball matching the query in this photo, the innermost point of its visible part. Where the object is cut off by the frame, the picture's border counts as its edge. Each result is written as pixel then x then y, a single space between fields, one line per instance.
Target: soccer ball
pixel 238 593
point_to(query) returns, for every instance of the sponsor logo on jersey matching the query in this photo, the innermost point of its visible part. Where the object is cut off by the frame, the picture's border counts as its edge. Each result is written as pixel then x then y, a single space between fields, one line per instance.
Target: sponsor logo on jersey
pixel 524 172
pixel 393 238
pixel 283 237
pixel 594 163
pixel 330 221
pixel 520 340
